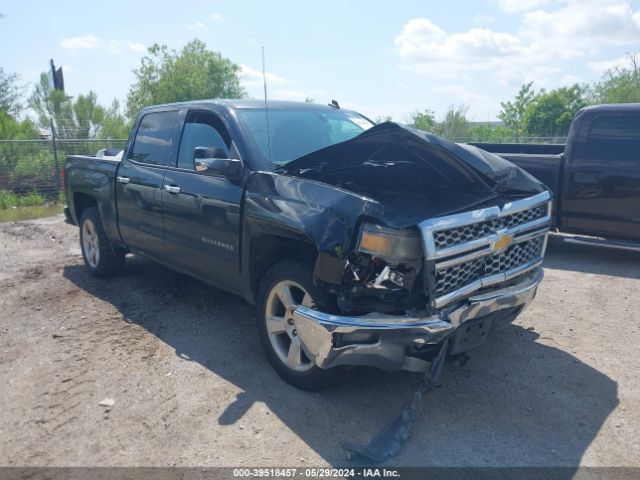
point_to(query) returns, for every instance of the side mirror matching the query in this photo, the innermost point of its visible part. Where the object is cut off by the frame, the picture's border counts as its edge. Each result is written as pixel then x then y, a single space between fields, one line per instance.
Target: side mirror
pixel 215 161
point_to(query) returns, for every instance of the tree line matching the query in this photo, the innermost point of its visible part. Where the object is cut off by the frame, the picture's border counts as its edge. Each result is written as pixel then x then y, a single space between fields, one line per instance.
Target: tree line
pixel 195 72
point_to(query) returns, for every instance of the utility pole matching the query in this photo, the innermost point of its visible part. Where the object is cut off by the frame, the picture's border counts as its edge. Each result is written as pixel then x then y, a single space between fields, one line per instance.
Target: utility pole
pixel 56 81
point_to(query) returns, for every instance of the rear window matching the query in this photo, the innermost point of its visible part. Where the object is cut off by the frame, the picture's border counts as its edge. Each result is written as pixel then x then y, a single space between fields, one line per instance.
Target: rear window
pixel 615 137
pixel 153 138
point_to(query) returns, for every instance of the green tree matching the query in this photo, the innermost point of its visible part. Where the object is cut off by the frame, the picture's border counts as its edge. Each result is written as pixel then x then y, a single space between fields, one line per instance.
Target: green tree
pixel 114 125
pixel 383 118
pixel 72 118
pixel 455 124
pixel 491 133
pixel 425 120
pixel 193 73
pixel 12 129
pixel 551 113
pixel 512 113
pixel 10 93
pixel 619 85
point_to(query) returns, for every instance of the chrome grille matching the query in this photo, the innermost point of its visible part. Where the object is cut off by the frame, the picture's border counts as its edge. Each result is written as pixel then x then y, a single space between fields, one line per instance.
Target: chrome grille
pixel 473 250
pixel 456 236
pixel 455 277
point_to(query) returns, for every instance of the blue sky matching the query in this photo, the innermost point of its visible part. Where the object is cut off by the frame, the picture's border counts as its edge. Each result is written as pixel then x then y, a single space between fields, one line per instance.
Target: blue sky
pixel 378 57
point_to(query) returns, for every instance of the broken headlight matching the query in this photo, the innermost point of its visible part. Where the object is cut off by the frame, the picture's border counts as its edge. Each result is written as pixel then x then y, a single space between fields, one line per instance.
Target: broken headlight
pixel 394 246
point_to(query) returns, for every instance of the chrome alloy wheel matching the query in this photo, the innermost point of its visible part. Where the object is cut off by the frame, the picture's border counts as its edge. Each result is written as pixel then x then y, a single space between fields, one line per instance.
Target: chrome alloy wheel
pixel 90 243
pixel 283 299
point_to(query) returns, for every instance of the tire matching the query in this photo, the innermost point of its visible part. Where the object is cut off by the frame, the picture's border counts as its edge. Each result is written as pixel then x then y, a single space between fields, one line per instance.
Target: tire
pixel 302 372
pixel 101 257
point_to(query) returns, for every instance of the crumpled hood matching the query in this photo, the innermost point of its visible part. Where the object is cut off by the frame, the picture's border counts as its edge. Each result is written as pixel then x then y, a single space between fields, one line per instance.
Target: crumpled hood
pixel 415 174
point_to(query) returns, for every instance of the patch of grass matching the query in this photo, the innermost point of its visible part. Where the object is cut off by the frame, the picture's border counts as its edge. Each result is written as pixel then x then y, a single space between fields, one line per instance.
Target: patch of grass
pixel 8 199
pixel 31 199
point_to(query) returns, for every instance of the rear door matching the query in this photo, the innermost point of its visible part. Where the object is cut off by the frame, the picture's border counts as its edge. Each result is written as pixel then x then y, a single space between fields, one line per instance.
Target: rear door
pixel 139 183
pixel 603 194
pixel 202 213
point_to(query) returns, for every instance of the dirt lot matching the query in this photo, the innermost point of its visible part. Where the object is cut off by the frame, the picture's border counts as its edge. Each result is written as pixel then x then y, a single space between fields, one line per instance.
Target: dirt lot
pixel 191 385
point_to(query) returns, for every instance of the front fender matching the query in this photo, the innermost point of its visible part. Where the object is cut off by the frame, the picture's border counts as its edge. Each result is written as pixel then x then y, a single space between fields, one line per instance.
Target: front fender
pixel 321 215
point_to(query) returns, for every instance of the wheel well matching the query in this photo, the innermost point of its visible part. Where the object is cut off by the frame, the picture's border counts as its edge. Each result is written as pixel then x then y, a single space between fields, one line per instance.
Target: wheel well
pixel 267 250
pixel 82 201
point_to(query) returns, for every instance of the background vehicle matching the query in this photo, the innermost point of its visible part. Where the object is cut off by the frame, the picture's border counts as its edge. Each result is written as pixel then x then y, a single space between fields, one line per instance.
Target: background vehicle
pixel 304 217
pixel 595 177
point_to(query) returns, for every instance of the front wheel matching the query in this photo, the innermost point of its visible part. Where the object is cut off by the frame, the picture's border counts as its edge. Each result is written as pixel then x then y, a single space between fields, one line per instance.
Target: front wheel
pixel 101 257
pixel 284 287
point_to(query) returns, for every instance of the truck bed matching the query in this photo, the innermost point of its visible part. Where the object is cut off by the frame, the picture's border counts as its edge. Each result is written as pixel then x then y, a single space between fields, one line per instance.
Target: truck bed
pixel 543 161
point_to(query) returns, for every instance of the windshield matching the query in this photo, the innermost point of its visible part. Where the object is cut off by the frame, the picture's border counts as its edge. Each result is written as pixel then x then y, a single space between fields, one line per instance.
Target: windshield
pixel 297 132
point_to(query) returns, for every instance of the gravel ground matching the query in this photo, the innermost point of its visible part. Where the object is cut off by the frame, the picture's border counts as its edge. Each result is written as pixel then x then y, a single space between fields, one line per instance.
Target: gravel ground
pixel 190 384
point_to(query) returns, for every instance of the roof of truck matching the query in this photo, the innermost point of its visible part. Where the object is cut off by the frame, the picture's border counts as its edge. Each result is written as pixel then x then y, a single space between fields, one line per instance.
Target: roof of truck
pixel 614 107
pixel 249 104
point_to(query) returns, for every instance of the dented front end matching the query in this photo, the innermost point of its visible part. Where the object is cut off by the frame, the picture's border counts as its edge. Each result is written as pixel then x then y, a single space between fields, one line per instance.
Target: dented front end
pixel 476 270
pixel 418 240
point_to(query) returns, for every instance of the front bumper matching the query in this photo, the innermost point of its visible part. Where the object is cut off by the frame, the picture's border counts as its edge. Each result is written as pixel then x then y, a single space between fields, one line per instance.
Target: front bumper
pixel 391 342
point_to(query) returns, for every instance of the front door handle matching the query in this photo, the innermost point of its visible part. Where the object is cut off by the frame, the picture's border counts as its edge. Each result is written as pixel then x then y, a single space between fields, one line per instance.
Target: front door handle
pixel 172 189
pixel 123 179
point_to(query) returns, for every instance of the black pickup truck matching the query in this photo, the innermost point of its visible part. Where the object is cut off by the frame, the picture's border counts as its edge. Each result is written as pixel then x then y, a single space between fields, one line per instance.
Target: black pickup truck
pixel 360 244
pixel 595 177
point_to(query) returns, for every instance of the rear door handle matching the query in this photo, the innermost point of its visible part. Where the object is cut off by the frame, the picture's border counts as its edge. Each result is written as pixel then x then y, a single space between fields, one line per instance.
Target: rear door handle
pixel 172 189
pixel 123 179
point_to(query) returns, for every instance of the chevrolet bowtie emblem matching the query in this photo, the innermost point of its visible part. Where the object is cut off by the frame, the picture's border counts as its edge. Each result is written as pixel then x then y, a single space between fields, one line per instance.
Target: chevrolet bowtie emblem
pixel 501 244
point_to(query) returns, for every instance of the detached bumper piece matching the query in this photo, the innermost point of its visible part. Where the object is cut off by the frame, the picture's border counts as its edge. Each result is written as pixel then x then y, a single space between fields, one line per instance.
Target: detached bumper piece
pixel 395 342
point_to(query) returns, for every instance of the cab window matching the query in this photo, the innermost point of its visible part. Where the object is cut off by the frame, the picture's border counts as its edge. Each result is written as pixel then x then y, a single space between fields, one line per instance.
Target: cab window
pixel 153 138
pixel 616 137
pixel 200 130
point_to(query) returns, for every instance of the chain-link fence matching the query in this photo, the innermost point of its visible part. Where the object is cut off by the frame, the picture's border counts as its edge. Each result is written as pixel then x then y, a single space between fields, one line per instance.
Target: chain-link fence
pixel 28 166
pixel 497 139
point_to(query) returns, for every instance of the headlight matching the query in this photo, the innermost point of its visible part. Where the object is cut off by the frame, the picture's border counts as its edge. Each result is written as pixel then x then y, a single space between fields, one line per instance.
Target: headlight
pixel 390 244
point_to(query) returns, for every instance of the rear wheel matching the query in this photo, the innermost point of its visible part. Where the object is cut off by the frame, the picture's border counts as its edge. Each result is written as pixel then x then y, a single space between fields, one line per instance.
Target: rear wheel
pixel 101 257
pixel 284 287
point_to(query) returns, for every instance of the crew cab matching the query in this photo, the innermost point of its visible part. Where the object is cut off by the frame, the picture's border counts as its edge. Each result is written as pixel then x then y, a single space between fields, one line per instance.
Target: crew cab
pixel 360 244
pixel 595 176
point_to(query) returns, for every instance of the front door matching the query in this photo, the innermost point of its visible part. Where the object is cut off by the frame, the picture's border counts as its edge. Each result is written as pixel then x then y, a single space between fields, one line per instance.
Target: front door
pixel 202 213
pixel 139 183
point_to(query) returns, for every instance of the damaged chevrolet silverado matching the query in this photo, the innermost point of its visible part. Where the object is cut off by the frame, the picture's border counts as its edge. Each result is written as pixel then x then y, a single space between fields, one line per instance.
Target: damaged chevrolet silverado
pixel 360 244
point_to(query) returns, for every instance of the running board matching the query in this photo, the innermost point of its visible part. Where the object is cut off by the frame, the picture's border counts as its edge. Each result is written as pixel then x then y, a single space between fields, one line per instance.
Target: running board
pixel 600 242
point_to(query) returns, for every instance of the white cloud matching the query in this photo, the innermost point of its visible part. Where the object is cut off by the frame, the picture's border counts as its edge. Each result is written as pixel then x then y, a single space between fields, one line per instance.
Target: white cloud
pixel 483 18
pixel 542 41
pixel 87 42
pixel 113 46
pixel 482 103
pixel 195 26
pixel 421 40
pixel 137 47
pixel 215 16
pixel 253 77
pixel 581 28
pixel 515 6
pixel 427 49
pixel 602 66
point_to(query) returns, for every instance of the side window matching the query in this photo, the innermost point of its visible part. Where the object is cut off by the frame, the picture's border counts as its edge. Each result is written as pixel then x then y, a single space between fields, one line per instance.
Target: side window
pixel 153 138
pixel 199 131
pixel 614 136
